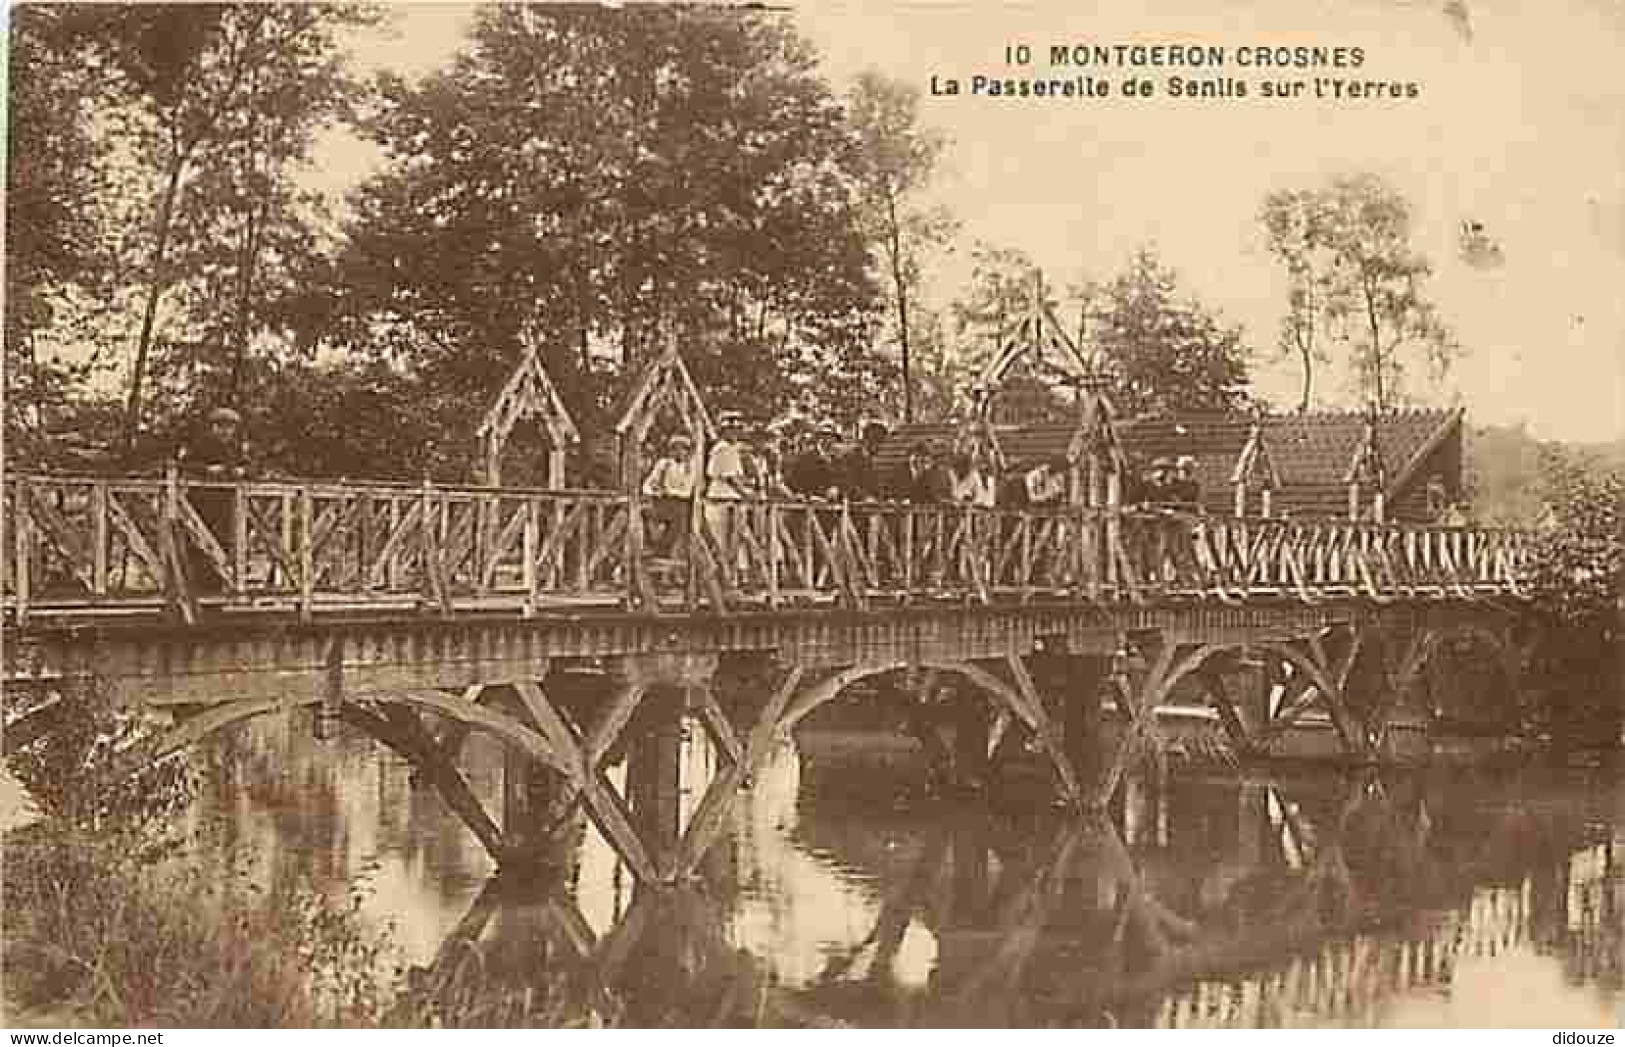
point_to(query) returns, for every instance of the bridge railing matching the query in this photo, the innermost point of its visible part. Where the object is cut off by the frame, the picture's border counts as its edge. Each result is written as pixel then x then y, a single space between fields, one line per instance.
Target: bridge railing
pixel 173 544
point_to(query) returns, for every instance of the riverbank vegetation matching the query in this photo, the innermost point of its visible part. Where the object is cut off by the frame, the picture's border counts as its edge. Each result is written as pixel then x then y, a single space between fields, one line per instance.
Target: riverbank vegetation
pixel 1578 579
pixel 122 910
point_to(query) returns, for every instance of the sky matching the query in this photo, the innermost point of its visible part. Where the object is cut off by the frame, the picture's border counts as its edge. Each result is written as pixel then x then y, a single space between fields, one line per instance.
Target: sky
pixel 1518 124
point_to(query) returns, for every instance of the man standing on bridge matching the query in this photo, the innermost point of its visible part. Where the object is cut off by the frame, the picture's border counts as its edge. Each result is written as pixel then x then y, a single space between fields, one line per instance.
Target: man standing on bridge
pixel 214 454
pixel 726 481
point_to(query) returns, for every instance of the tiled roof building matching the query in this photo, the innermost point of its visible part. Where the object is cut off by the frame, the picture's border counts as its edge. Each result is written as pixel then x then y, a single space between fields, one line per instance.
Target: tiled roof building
pixel 1311 453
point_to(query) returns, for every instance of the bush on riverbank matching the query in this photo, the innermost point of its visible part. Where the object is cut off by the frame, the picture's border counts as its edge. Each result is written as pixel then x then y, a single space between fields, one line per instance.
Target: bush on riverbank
pixel 1578 566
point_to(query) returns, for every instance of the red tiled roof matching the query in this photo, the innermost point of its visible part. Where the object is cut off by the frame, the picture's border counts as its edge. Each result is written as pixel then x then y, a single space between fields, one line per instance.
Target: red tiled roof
pixel 1311 451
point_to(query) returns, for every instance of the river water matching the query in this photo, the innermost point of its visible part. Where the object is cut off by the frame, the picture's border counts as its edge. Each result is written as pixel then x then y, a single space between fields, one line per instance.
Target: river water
pixel 845 892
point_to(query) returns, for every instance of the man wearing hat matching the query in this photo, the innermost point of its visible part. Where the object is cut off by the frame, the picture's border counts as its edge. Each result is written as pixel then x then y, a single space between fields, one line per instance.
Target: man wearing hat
pixel 671 484
pixel 726 479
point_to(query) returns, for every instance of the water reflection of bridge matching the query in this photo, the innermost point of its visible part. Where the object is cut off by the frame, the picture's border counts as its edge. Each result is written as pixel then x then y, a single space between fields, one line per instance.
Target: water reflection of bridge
pixel 1311 907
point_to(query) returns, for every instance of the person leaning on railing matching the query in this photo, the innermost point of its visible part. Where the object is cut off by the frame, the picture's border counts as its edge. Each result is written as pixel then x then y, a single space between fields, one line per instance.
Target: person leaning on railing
pixel 215 453
pixel 670 483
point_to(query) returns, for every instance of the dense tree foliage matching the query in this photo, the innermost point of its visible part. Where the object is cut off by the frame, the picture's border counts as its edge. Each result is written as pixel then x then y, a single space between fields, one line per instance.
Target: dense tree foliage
pixel 597 181
pixel 1166 350
pixel 1163 350
pixel 1578 578
pixel 166 229
pixel 54 177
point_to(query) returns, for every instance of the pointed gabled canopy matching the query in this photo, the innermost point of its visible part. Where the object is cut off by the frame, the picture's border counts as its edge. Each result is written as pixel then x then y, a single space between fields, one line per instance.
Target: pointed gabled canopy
pixel 1255 468
pixel 665 384
pixel 1035 332
pixel 528 391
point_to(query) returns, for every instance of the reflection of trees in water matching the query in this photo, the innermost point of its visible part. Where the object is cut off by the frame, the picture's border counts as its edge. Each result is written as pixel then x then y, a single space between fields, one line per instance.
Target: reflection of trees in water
pixel 1225 903
pixel 1229 904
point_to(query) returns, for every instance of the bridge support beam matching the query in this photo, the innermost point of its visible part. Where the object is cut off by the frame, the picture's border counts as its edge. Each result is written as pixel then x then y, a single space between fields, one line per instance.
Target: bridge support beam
pixel 1081 713
pixel 654 769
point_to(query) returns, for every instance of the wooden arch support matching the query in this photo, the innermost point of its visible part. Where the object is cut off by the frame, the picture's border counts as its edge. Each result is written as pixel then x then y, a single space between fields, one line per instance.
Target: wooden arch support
pixel 1016 697
pixel 528 392
pixel 393 721
pixel 1324 681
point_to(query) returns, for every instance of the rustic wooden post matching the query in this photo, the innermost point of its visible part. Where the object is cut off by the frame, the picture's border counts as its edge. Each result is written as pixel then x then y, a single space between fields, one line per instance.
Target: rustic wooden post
pixel 555 466
pixel 98 514
pixel 1114 526
pixel 770 513
pixel 172 552
pixel 285 531
pixel 531 795
pixel 654 770
pixel 307 552
pixel 239 540
pixel 428 542
pixel 22 529
pixel 909 551
pixel 1077 685
pixel 532 541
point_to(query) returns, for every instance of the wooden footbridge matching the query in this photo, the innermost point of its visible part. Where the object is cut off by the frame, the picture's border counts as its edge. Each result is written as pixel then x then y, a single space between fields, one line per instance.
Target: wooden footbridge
pixel 550 620
pixel 582 627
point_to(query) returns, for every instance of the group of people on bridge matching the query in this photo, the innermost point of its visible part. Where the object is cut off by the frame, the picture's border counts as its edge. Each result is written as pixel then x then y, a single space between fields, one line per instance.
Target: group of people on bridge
pixel 762 463
pixel 753 463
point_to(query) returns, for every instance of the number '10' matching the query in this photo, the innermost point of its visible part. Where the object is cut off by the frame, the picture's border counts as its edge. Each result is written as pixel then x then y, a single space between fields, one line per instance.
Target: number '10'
pixel 1018 54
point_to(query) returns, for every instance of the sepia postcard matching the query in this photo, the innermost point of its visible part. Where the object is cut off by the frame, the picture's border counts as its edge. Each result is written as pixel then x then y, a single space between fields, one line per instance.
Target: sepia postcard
pixel 837 515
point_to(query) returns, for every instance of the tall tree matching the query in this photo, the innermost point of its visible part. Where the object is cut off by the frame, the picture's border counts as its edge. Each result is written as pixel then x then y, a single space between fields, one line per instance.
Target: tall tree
pixel 608 179
pixel 1297 224
pixel 1357 278
pixel 1167 352
pixel 54 170
pixel 223 102
pixel 897 158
